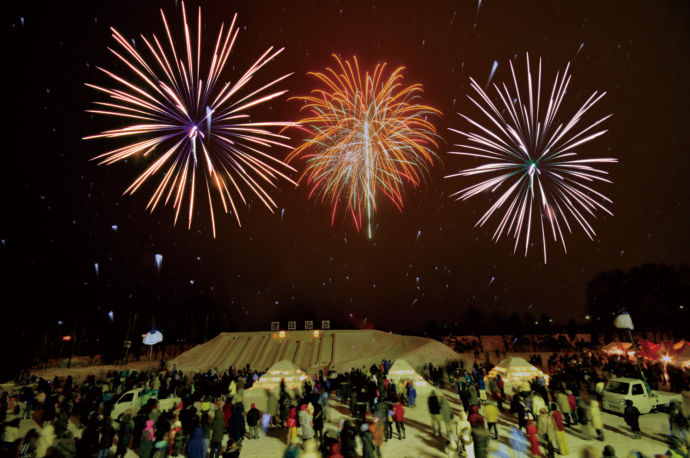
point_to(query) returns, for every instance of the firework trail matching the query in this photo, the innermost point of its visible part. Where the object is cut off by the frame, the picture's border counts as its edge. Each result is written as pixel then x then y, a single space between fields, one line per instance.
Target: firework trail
pixel 193 129
pixel 367 134
pixel 531 159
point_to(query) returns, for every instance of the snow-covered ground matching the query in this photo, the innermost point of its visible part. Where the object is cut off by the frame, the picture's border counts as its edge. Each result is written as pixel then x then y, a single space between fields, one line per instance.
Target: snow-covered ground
pixel 420 441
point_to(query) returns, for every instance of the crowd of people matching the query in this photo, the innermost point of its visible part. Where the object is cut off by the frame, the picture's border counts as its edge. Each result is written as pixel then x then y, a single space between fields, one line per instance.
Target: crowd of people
pixel 209 416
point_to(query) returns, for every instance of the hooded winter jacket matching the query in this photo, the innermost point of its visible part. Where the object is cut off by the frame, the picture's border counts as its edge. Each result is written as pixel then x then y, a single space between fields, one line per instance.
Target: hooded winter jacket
pixel 195 446
pixel 475 417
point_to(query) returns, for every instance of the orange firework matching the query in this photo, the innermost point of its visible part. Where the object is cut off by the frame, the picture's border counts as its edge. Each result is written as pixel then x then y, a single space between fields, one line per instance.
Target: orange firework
pixel 367 133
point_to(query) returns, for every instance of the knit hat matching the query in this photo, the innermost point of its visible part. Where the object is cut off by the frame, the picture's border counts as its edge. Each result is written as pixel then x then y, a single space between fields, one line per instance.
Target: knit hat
pixel 253 405
pixel 303 407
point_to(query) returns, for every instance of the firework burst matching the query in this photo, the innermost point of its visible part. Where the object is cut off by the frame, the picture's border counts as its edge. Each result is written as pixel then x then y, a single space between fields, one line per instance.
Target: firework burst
pixel 531 160
pixel 367 134
pixel 194 129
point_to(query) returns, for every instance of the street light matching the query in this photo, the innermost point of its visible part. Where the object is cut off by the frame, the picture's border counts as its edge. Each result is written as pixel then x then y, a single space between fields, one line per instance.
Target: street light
pixel 623 321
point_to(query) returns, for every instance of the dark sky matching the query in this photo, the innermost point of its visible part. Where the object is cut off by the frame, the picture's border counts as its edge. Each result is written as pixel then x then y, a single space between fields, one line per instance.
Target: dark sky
pixel 59 208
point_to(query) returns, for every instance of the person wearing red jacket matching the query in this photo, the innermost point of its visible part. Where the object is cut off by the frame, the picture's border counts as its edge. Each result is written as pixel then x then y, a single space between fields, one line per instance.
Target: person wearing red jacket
pixel 291 425
pixel 227 411
pixel 335 451
pixel 557 416
pixel 399 419
pixel 533 439
pixel 475 417
pixel 573 406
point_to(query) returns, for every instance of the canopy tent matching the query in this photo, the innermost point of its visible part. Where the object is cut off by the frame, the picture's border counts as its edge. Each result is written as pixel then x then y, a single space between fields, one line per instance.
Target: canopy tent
pixel 683 357
pixel 401 371
pixel 650 350
pixel 515 371
pixel 282 370
pixel 269 383
pixel 616 348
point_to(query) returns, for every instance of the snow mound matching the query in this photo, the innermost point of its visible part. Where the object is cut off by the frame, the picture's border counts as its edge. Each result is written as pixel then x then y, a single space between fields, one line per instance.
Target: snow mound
pixel 334 349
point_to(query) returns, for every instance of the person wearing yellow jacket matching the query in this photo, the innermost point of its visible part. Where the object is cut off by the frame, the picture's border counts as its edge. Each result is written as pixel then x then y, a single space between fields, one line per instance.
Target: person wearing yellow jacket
pixel 563 447
pixel 491 417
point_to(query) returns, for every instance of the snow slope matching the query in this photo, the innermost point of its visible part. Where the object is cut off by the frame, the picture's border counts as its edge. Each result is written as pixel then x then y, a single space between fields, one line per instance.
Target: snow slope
pixel 340 350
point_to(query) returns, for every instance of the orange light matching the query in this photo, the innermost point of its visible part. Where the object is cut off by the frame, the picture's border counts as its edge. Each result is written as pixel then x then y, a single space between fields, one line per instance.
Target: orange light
pixel 281 334
pixel 317 333
pixel 66 338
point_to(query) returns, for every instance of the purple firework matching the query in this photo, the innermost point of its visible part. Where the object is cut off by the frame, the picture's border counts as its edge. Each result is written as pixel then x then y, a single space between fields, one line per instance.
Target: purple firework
pixel 193 128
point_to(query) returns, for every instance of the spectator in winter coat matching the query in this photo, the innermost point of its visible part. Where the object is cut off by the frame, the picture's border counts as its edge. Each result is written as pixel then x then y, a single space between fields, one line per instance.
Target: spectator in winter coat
pixel 632 418
pixel 475 417
pixel 564 406
pixel 572 402
pixel 533 439
pixel 368 448
pixel 465 442
pixel 291 424
pixel 253 422
pixel 597 424
pixel 227 411
pixel 547 430
pixel 537 404
pixel 146 443
pixel 435 412
pixel 480 438
pixel 474 396
pixel 482 388
pixel 378 434
pixel 491 416
pixel 445 413
pixel 335 451
pixel 348 438
pixel 272 410
pixel 563 447
pixel 318 420
pixel 411 394
pixel 323 400
pixel 195 445
pixel 107 438
pixel 124 435
pixel 217 433
pixel 65 446
pixel 399 419
pixel 310 449
pixel 161 449
pixel 306 422
pixel 236 425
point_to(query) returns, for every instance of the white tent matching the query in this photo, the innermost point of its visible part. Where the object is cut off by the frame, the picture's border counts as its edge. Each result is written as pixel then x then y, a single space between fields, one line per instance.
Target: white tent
pixel 401 371
pixel 515 371
pixel 282 370
pixel 616 348
pixel 270 382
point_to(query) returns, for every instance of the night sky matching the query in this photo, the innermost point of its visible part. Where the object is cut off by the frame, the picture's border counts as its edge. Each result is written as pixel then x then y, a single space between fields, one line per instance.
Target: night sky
pixel 59 209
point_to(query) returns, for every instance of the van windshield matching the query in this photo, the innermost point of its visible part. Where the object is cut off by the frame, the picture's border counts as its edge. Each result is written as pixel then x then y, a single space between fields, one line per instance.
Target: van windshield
pixel 127 397
pixel 617 387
